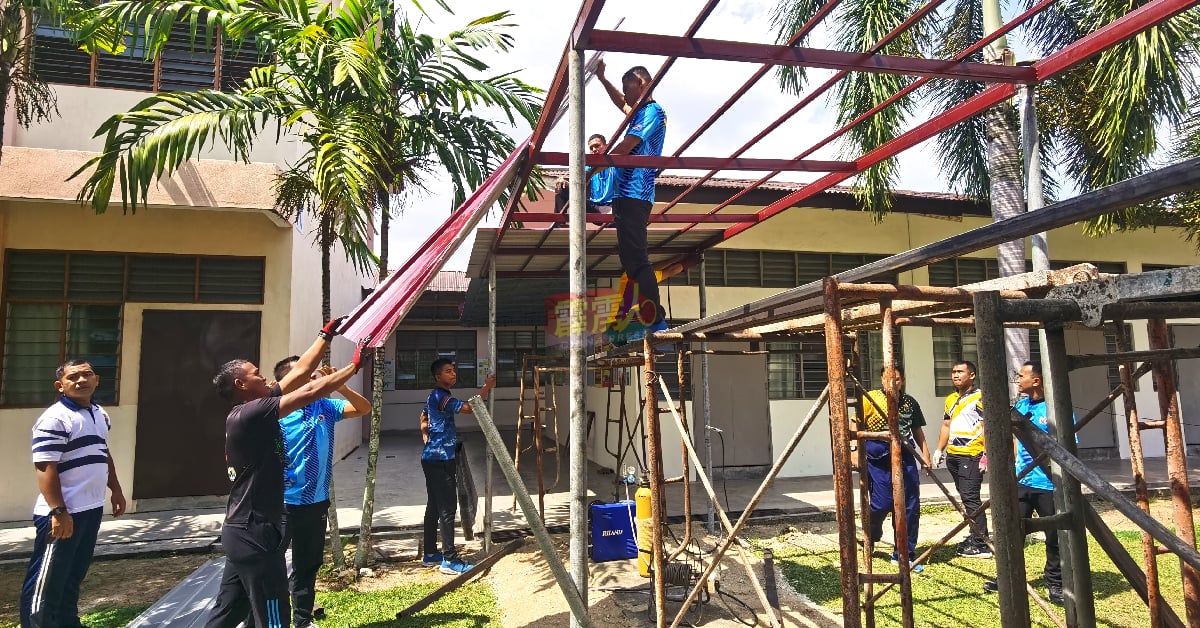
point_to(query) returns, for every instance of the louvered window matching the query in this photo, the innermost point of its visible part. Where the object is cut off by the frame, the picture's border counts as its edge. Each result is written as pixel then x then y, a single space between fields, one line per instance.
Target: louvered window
pixel 128 70
pixel 771 269
pixel 950 345
pixel 186 63
pixel 57 60
pixel 416 351
pixel 69 305
pixel 962 271
pixel 799 370
pixel 778 269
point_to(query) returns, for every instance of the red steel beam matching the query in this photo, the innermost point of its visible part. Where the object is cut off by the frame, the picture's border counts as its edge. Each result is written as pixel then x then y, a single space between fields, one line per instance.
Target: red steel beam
pixel 692 29
pixel 1132 23
pixel 588 14
pixel 699 163
pixel 925 9
pixel 967 52
pixel 723 50
pixel 812 23
pixel 561 219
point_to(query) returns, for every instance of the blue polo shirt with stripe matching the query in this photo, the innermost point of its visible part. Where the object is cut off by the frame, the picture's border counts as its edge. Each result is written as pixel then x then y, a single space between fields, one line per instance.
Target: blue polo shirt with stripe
pixel 440 407
pixel 76 438
pixel 308 444
pixel 650 125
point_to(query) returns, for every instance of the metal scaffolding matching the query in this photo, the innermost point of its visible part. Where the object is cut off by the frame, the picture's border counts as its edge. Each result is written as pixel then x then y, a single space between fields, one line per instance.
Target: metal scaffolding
pixel 839 306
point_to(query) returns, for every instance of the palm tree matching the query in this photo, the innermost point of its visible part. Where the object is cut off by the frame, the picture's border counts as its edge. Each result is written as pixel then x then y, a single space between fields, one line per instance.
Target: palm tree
pixel 1100 121
pixel 33 99
pixel 367 121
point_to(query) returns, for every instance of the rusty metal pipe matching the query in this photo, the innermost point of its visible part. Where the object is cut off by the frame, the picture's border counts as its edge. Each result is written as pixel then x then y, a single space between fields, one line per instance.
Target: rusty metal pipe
pixel 835 361
pixel 1168 403
pixel 654 462
pixel 899 512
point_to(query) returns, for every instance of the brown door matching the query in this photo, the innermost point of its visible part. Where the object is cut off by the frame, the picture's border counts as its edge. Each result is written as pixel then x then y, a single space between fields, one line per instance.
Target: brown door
pixel 180 448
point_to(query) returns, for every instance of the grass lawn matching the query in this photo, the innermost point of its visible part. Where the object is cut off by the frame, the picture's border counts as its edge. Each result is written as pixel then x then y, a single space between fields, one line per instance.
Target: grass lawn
pixel 949 592
pixel 472 605
pixel 104 618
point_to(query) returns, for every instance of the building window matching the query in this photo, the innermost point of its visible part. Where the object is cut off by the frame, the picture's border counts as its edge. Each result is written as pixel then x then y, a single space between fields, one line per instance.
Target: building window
pixel 951 344
pixel 512 345
pixel 770 269
pixel 183 65
pixel 63 305
pixel 966 270
pixel 962 271
pixel 416 351
pixel 796 370
pixel 799 370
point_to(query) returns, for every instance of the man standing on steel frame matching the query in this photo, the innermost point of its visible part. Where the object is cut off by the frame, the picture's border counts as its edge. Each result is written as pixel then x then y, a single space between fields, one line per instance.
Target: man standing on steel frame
pixel 1035 491
pixel 879 462
pixel 308 439
pixel 961 446
pixel 74 467
pixel 600 184
pixel 633 197
pixel 255 579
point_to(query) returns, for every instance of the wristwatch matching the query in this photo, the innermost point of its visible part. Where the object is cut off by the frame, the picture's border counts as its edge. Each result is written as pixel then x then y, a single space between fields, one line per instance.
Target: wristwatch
pixel 58 510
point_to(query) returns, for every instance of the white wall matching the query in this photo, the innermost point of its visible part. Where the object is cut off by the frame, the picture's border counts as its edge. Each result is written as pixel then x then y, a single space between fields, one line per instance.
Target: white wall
pixel 83 109
pixel 345 293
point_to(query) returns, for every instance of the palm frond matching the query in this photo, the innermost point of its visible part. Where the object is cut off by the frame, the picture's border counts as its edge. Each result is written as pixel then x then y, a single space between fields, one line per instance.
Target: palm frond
pixel 864 23
pixel 961 149
pixel 787 18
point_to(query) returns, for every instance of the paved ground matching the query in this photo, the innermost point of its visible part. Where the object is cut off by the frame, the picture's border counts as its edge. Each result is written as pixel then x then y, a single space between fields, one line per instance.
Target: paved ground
pixel 400 499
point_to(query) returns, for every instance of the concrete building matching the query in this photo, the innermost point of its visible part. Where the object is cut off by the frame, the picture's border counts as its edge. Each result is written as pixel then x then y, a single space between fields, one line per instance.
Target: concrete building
pixel 157 299
pixel 759 400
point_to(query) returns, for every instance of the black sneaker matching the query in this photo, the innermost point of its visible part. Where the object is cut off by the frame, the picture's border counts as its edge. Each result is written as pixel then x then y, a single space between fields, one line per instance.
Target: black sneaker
pixel 975 550
pixel 990 586
pixel 1055 594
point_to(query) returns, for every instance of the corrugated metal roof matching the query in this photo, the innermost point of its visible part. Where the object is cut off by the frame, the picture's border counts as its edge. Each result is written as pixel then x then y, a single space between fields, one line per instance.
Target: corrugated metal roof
pixel 449 281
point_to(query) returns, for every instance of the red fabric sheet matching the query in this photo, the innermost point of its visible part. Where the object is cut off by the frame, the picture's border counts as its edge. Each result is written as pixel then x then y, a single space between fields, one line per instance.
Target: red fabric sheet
pixel 380 313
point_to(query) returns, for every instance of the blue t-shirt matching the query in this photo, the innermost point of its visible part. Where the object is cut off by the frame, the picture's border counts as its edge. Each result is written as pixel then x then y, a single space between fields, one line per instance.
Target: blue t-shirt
pixel 601 187
pixel 443 437
pixel 308 444
pixel 649 124
pixel 1036 410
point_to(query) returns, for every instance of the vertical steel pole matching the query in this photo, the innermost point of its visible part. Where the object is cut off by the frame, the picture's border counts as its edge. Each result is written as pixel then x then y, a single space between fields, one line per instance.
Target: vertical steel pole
pixel 1168 403
pixel 654 461
pixel 712 520
pixel 1077 575
pixel 1007 528
pixel 899 512
pixel 835 361
pixel 680 356
pixel 1141 493
pixel 489 455
pixel 578 313
pixel 1031 146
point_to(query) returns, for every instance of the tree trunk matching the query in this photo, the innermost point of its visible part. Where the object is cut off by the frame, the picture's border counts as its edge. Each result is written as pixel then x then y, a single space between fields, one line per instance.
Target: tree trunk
pixel 326 239
pixel 1006 191
pixel 368 507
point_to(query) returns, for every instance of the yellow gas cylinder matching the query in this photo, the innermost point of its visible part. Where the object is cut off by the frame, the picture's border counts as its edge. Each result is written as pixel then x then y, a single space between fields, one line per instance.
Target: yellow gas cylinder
pixel 645 525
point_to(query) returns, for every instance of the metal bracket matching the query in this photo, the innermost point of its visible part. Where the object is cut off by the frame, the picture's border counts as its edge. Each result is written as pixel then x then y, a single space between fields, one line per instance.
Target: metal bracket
pixel 1091 296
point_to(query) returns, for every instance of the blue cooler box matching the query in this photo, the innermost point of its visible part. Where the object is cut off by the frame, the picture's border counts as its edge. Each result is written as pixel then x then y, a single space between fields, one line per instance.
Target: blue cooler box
pixel 613 536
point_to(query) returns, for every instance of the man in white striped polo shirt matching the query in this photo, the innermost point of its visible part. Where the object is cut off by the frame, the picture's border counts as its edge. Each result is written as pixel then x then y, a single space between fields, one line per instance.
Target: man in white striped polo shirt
pixel 74 467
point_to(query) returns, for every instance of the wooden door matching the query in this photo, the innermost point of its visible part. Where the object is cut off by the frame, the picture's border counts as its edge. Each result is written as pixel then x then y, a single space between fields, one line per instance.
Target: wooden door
pixel 180 449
